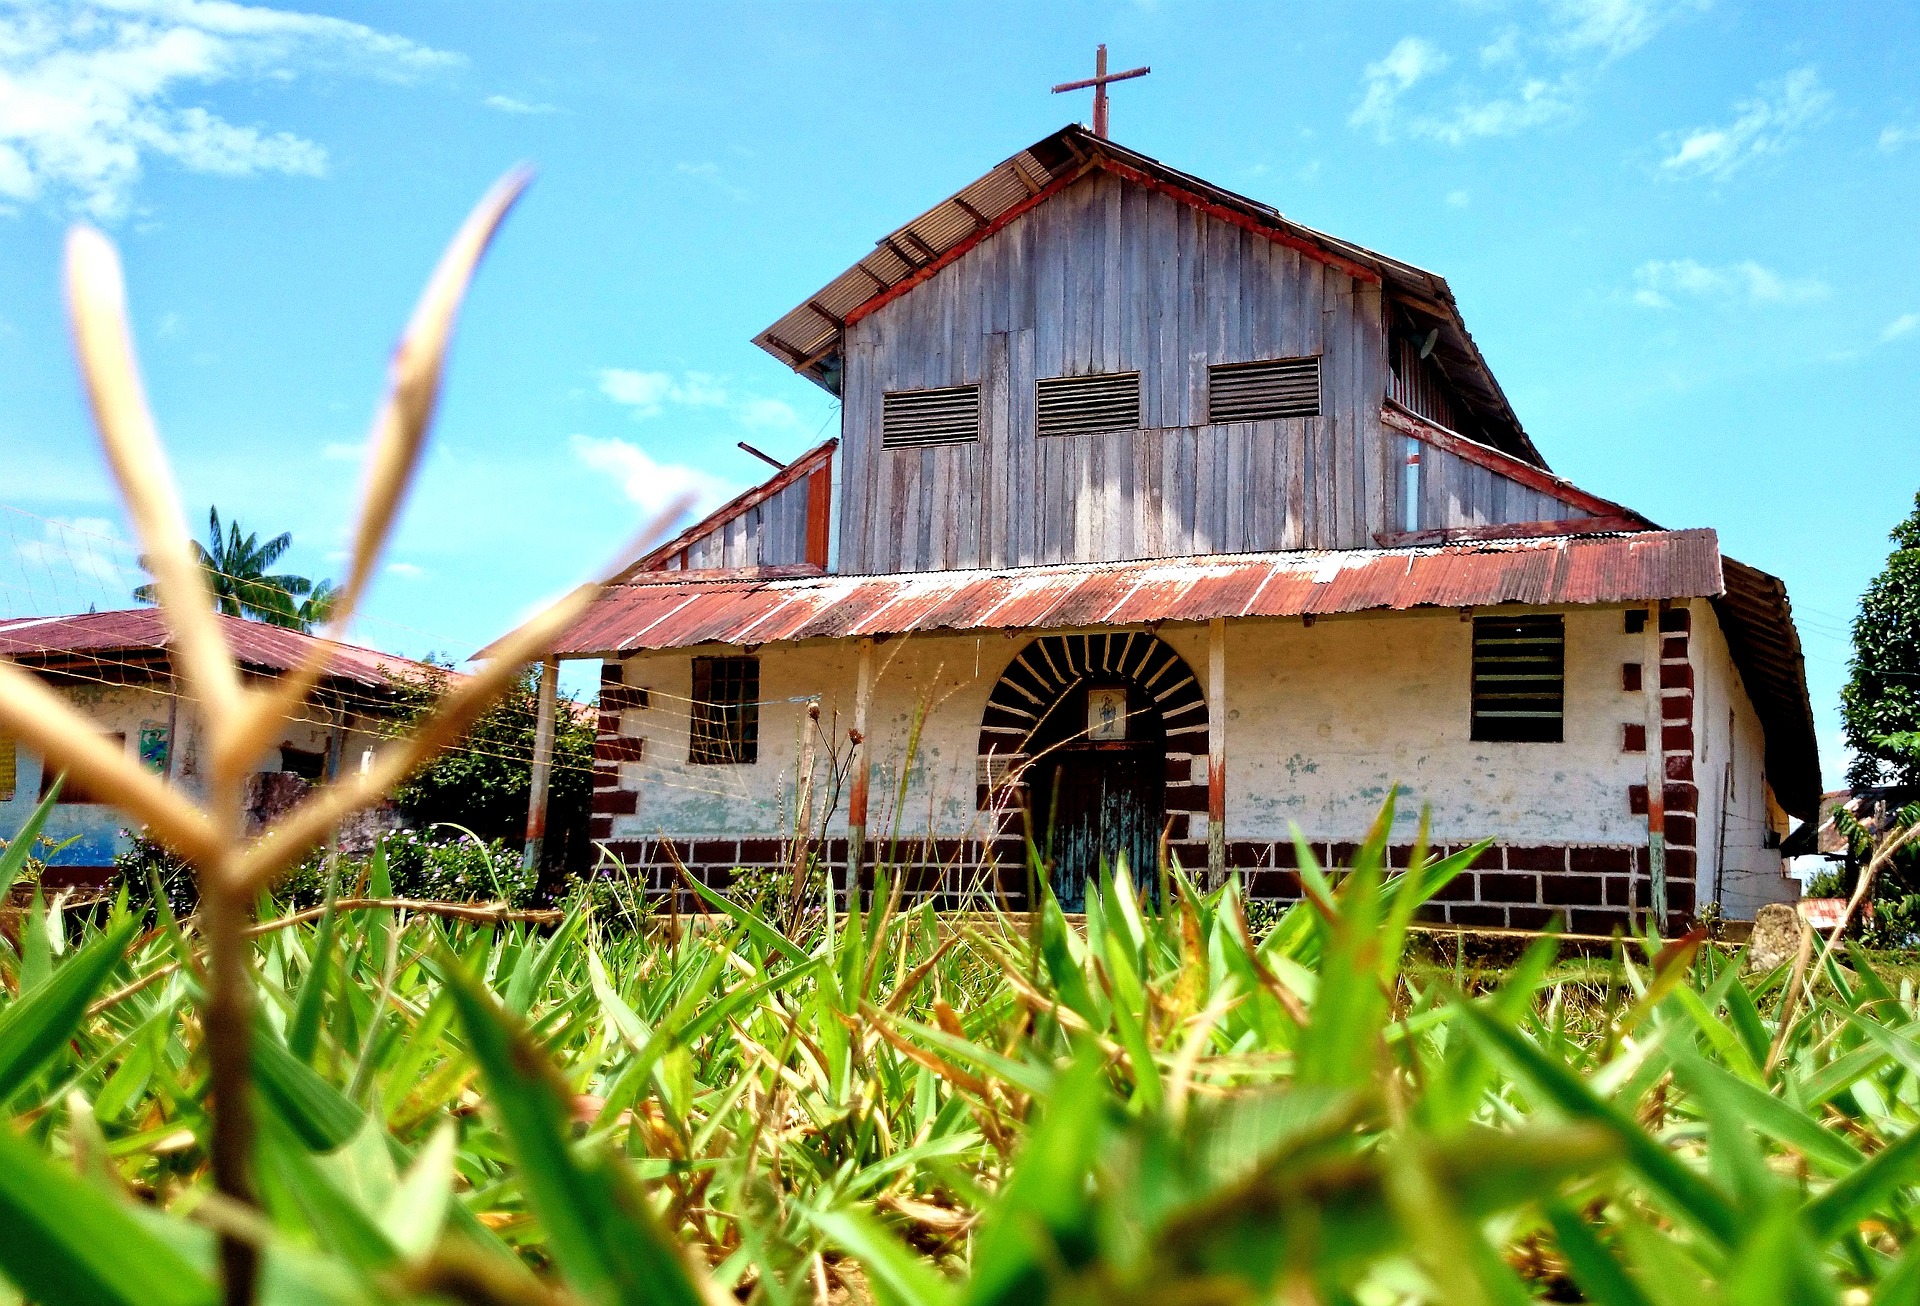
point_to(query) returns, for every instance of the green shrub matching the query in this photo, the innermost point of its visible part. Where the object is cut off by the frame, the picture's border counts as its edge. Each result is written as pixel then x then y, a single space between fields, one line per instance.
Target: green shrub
pixel 449 866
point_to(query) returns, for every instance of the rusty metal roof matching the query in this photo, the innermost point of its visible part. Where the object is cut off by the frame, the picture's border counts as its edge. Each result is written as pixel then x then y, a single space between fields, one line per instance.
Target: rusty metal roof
pixel 669 610
pixel 140 637
pixel 808 337
pixel 662 610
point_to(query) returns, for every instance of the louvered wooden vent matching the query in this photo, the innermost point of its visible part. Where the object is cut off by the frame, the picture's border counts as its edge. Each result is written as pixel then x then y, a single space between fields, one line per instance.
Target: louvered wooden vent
pixel 913 418
pixel 1258 392
pixel 1081 405
pixel 1519 679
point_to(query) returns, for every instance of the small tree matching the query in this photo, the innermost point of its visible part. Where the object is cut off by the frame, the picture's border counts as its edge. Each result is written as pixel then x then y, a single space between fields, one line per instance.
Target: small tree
pixel 483 782
pixel 1880 706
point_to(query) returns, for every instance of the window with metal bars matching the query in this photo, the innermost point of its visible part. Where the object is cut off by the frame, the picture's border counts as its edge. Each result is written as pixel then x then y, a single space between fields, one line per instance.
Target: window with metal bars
pixel 1258 392
pixel 1083 405
pixel 910 419
pixel 726 711
pixel 1519 679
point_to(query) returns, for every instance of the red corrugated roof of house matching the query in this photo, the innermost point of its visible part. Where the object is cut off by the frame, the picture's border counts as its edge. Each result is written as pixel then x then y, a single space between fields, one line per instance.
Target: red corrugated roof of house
pixel 256 646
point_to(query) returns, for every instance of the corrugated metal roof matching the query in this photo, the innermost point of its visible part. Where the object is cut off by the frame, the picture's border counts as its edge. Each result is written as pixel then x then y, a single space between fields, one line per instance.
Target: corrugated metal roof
pixel 142 635
pixel 665 611
pixel 807 338
pixel 660 612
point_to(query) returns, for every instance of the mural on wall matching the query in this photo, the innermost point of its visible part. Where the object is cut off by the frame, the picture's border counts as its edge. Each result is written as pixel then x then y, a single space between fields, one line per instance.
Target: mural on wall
pixel 156 742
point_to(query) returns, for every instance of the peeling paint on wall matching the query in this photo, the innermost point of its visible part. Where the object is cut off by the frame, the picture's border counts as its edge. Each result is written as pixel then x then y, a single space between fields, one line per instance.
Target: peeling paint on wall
pixel 1329 717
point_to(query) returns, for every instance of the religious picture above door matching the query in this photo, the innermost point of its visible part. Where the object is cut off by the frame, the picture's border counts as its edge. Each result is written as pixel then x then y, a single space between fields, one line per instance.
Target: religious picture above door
pixel 1107 714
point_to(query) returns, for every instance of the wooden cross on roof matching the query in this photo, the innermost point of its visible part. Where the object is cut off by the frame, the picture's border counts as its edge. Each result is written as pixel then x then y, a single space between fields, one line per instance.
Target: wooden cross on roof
pixel 1099 82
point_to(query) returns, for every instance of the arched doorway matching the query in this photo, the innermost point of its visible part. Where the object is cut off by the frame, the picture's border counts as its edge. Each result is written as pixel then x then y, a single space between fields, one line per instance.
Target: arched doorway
pixel 1101 732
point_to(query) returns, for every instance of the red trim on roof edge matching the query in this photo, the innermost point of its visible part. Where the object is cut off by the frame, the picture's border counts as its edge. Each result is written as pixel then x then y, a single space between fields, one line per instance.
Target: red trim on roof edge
pixel 966 245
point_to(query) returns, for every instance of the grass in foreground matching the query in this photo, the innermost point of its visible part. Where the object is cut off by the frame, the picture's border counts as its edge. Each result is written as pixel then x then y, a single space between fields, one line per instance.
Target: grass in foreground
pixel 1156 1108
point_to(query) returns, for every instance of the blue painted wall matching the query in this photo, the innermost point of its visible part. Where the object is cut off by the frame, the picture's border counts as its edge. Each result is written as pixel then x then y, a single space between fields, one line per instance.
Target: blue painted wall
pixel 100 828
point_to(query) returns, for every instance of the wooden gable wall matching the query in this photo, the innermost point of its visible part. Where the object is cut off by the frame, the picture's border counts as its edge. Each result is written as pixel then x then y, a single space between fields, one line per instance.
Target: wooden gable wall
pixel 1110 276
pixel 770 533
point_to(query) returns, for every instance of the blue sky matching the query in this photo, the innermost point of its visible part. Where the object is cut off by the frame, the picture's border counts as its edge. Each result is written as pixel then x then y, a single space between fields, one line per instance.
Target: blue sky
pixel 1682 233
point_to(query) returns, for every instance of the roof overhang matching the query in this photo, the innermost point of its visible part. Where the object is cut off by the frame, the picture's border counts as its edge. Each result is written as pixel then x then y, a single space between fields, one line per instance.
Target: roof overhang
pixel 668 610
pixel 1757 620
pixel 809 337
pixel 135 645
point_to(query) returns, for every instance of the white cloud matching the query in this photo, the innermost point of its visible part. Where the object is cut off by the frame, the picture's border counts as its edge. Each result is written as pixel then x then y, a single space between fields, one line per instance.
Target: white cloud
pixel 406 570
pixel 711 174
pixel 652 485
pixel 508 104
pixel 1896 136
pixel 75 562
pixel 1504 48
pixel 1610 27
pixel 1528 76
pixel 1766 124
pixel 1458 199
pixel 339 451
pixel 89 89
pixel 649 394
pixel 1658 283
pixel 1386 80
pixel 1903 325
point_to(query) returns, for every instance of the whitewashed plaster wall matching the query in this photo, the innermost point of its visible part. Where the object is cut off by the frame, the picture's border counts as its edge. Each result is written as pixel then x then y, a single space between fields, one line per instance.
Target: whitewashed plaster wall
pixel 1742 871
pixel 1322 720
pixel 127 710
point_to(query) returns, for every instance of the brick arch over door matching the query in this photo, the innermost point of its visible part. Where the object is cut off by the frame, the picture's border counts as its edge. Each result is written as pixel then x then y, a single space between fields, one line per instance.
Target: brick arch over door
pixel 1043 673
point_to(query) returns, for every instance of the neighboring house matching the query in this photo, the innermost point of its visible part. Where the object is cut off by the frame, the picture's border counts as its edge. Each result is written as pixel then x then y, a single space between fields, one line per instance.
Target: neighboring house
pixel 1153 512
pixel 1818 843
pixel 117 667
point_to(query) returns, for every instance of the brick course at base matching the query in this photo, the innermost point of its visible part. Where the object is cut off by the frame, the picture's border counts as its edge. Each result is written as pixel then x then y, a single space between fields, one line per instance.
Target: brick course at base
pixel 1589 888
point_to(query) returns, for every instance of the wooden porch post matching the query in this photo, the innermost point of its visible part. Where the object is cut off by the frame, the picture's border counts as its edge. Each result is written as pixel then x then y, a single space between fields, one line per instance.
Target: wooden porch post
pixel 542 764
pixel 1216 752
pixel 861 767
pixel 1650 691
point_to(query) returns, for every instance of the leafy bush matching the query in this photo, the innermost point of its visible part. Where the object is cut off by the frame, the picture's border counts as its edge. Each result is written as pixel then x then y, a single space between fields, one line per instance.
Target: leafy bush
pixel 449 866
pixel 482 783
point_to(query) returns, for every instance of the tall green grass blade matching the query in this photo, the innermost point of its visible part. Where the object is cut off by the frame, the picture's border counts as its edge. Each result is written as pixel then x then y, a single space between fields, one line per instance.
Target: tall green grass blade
pixel 69 1243
pixel 34 1028
pixel 899 1277
pixel 1689 1195
pixel 606 1242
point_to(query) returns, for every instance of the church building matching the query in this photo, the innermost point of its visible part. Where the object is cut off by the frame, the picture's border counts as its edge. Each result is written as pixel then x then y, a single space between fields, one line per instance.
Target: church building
pixel 1156 521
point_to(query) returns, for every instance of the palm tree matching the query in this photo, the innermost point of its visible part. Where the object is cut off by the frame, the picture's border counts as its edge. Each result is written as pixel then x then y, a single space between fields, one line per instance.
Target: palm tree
pixel 237 572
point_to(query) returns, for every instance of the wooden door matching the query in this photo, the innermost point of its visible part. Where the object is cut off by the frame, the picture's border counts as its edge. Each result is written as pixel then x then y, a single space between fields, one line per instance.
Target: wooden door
pixel 1106 802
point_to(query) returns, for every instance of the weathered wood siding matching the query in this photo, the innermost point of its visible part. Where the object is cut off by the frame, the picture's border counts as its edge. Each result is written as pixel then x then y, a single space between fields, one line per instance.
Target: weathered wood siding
pixel 771 533
pixel 1455 492
pixel 1111 277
